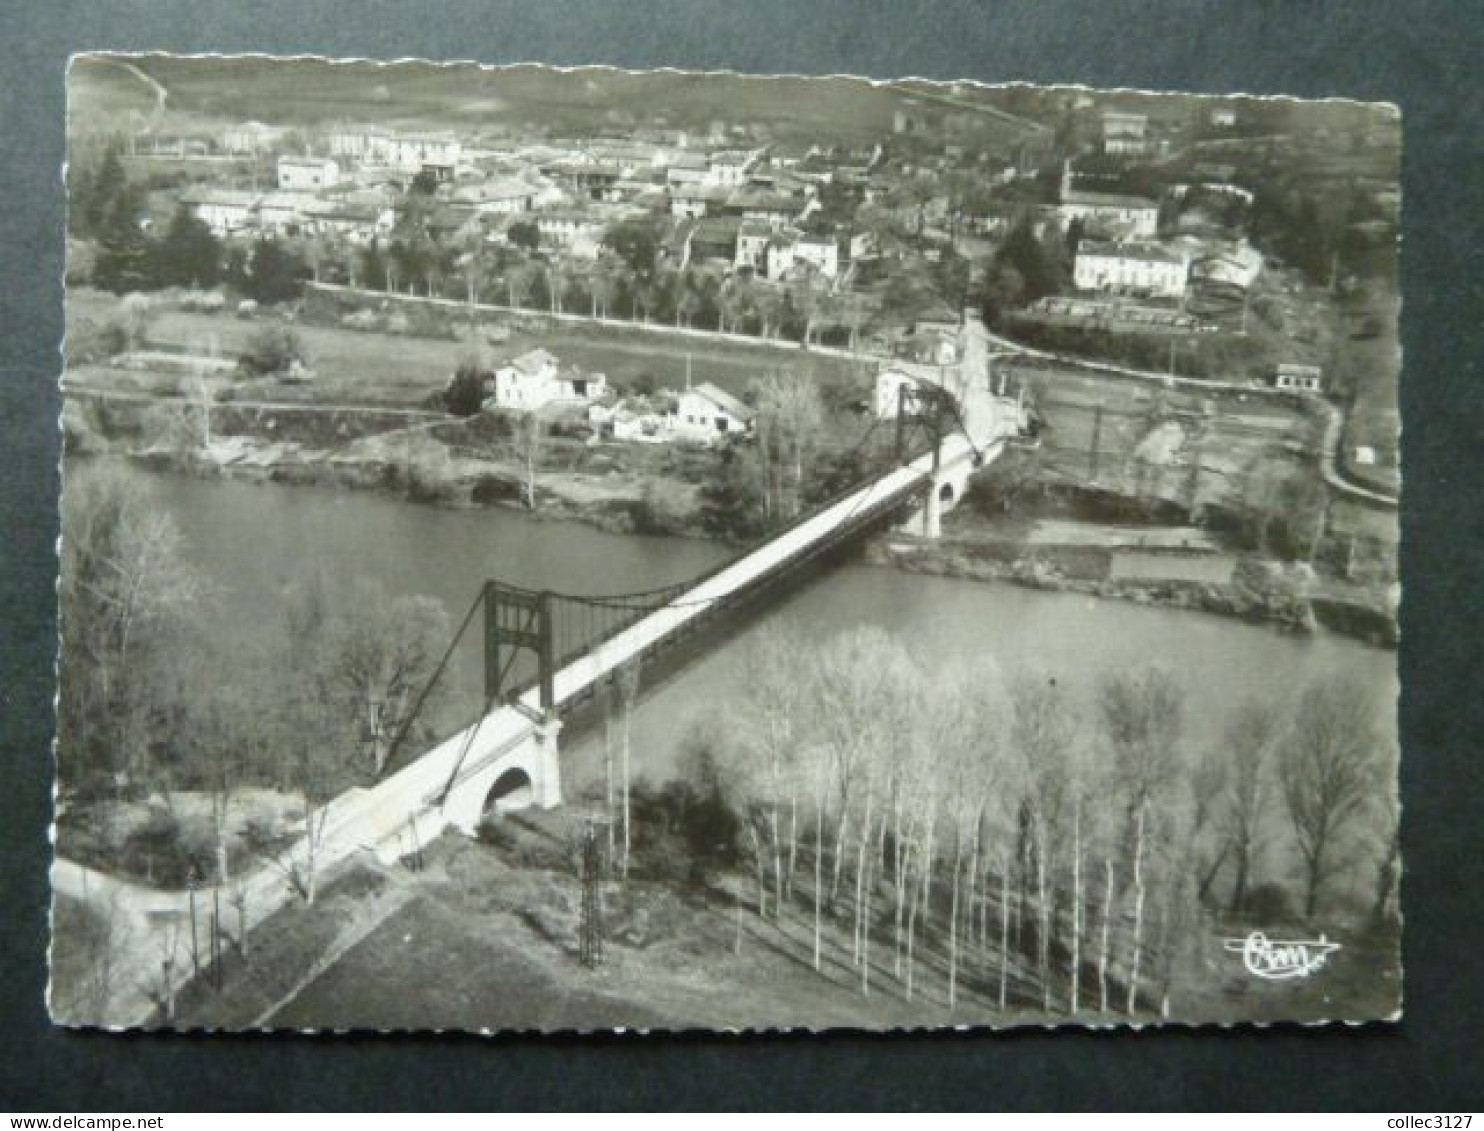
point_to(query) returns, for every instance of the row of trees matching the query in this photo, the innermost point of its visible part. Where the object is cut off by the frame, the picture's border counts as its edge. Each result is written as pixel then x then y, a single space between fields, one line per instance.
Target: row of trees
pixel 1037 847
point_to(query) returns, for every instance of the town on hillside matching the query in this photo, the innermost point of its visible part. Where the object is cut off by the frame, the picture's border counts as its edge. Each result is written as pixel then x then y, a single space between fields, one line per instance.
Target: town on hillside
pixel 587 549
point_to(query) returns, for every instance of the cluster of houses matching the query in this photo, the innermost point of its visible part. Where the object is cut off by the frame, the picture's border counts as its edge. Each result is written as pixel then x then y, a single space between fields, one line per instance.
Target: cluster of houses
pixel 756 208
pixel 537 381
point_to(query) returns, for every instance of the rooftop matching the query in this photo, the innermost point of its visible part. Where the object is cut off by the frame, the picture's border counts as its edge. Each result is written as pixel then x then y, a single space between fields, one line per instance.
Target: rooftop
pixel 724 400
pixel 534 361
pixel 1128 249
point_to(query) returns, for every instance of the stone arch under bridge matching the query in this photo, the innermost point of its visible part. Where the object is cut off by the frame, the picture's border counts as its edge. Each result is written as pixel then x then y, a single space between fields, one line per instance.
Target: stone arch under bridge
pixel 526 774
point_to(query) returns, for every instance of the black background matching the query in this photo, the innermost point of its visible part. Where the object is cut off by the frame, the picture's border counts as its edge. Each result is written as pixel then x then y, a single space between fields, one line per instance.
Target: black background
pixel 1424 56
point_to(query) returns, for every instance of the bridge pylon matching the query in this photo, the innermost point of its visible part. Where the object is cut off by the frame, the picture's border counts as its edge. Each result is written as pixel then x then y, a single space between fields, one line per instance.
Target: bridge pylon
pixel 517 620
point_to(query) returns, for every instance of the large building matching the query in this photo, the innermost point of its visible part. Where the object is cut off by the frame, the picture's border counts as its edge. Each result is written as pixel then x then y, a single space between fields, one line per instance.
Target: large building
pixel 1132 267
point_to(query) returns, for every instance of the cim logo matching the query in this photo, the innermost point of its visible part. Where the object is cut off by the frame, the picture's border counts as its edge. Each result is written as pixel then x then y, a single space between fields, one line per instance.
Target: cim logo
pixel 1280 959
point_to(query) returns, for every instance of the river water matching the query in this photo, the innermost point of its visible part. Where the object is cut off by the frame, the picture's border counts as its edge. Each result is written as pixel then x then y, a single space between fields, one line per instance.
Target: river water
pixel 253 540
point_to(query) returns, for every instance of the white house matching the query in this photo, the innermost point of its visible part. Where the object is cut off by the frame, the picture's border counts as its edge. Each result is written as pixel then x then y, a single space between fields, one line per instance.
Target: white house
pixel 227 212
pixel 705 414
pixel 823 252
pixel 1130 268
pixel 566 227
pixel 752 245
pixel 788 249
pixel 536 379
pixel 307 174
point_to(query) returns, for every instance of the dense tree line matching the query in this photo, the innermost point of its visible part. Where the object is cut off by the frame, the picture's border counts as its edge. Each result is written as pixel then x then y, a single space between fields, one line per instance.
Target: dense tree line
pixel 1046 849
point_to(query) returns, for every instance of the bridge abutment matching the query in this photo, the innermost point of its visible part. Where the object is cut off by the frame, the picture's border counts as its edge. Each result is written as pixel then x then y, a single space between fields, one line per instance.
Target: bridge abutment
pixel 528 774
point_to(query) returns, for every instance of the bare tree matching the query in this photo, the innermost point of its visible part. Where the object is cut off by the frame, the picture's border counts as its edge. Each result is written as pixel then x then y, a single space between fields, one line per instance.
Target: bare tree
pixel 628 691
pixel 128 595
pixel 530 438
pixel 790 417
pixel 1142 714
pixel 1329 768
pixel 1247 746
pixel 1388 866
pixel 773 730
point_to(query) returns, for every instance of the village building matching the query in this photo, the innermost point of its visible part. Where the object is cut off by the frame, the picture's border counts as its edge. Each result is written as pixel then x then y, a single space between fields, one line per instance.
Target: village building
pixel 1113 214
pixel 1125 132
pixel 690 201
pixel 1299 378
pixel 686 169
pixel 499 197
pixel 1236 268
pixel 283 213
pixel 307 174
pixel 714 237
pixel 772 208
pixel 535 380
pixel 359 218
pixel 705 414
pixel 1134 268
pixel 753 237
pixel 789 249
pixel 355 144
pixel 227 212
pixel 730 169
pixel 249 139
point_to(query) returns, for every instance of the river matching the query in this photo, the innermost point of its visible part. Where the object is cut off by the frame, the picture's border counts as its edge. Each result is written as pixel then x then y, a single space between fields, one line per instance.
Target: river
pixel 254 539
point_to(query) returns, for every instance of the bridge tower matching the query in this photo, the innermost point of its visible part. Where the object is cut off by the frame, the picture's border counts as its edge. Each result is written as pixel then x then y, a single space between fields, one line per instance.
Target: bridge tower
pixel 518 620
pixel 932 412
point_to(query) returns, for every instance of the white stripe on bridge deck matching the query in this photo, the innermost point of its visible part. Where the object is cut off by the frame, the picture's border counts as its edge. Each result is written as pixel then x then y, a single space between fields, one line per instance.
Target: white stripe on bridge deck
pixel 506 727
pixel 579 675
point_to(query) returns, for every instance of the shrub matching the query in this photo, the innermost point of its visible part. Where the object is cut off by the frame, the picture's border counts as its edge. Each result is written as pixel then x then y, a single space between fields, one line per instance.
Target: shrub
pixel 272 349
pixel 464 395
pixel 1269 903
pixel 491 490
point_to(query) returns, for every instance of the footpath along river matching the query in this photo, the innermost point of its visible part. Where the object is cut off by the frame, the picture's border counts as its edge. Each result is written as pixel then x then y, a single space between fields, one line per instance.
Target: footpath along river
pixel 255 539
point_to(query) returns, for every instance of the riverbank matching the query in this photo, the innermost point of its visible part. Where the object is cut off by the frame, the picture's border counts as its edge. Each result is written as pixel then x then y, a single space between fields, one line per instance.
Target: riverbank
pixel 1252 590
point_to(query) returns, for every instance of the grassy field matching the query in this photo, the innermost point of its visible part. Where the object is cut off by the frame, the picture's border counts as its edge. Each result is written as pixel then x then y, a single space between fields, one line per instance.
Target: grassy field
pixel 361 367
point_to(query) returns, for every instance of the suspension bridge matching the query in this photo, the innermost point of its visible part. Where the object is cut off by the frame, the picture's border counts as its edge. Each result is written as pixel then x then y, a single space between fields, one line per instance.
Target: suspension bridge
pixel 544 653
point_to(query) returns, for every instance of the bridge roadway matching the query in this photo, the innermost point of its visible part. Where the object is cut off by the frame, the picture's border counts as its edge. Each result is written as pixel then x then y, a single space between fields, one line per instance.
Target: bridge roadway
pixel 455 776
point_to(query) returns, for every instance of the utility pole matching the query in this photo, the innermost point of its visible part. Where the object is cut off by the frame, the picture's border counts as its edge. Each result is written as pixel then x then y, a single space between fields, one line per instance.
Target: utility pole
pixel 591 927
